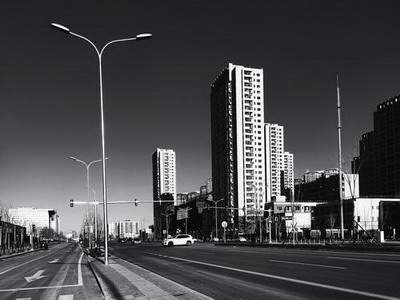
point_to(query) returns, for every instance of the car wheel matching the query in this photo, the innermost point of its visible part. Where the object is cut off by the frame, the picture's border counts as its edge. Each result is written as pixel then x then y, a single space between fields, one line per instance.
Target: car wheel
pixel 188 243
pixel 170 244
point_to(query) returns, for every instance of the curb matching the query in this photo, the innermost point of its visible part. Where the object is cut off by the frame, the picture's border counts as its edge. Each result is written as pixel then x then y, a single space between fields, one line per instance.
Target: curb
pixel 96 276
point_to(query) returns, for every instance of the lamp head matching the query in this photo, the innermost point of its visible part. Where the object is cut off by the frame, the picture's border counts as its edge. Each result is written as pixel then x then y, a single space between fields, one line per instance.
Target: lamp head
pixel 144 36
pixel 61 27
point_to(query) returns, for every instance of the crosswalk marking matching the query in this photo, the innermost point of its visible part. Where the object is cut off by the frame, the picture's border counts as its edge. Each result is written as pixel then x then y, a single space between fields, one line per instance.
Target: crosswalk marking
pixel 66 297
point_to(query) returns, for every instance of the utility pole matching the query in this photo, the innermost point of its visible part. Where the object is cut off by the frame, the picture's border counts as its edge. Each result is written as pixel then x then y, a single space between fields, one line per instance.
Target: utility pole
pixel 292 196
pixel 340 158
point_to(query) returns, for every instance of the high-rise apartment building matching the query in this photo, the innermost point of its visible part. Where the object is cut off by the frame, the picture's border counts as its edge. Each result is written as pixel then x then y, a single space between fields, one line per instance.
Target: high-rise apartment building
pixel 379 161
pixel 288 170
pixel 274 159
pixel 237 140
pixel 164 173
pixel 164 182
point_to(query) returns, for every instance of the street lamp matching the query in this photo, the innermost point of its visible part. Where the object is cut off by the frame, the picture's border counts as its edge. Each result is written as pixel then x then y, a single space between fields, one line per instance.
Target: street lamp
pixel 99 53
pixel 87 166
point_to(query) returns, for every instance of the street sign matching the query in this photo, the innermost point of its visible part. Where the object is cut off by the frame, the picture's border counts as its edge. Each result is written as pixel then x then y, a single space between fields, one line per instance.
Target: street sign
pixel 224 224
pixel 182 214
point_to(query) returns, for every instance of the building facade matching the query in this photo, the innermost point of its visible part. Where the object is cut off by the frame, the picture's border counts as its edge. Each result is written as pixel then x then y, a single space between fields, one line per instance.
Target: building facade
pixel 237 140
pixel 288 168
pixel 274 159
pixel 326 187
pixel 379 159
pixel 40 217
pixel 164 186
pixel 164 173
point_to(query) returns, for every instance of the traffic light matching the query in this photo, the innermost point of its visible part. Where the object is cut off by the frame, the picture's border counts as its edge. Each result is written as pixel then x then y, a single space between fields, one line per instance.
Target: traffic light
pixel 71 203
pixel 136 202
pixel 33 228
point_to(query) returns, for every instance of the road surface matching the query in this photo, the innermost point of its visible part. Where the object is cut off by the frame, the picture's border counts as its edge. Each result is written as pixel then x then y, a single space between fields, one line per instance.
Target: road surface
pixel 270 273
pixel 58 273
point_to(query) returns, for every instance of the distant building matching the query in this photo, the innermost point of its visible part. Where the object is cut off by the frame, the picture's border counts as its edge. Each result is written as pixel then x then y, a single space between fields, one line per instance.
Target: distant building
pixel 288 168
pixel 113 230
pixel 237 140
pixel 379 159
pixel 274 159
pixel 312 175
pixel 181 198
pixel 326 188
pixel 128 229
pixel 164 173
pixel 28 216
pixel 164 183
pixel 124 229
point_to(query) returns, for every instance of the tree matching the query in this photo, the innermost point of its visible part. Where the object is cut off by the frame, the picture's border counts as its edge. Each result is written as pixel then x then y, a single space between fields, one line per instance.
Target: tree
pixel 48 233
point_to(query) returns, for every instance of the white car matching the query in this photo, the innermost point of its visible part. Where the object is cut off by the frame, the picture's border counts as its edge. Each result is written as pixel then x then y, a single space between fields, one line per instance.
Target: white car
pixel 180 239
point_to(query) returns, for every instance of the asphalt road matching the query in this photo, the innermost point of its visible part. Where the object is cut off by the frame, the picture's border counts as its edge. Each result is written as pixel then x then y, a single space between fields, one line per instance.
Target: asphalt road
pixel 58 273
pixel 270 273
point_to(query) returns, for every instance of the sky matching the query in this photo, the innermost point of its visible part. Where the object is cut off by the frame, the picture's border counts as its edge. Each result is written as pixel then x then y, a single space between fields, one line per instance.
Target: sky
pixel 156 92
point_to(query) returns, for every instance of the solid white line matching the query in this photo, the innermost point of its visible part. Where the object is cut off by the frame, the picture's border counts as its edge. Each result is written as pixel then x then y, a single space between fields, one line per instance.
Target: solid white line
pixel 80 281
pixel 39 288
pixel 306 264
pixel 366 259
pixel 298 281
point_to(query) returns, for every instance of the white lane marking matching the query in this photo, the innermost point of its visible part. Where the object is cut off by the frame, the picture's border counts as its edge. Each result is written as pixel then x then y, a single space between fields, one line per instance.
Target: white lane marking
pixel 307 264
pixel 39 288
pixel 171 281
pixel 66 297
pixel 366 259
pixel 27 262
pixel 23 298
pixel 298 281
pixel 80 281
pixel 54 261
pixel 35 276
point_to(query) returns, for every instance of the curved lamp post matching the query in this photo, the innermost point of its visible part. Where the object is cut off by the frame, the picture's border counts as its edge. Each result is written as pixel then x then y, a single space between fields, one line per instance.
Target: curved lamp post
pixel 100 52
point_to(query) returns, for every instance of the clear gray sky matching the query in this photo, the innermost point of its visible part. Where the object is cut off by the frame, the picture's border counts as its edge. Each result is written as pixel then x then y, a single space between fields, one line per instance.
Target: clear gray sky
pixel 157 91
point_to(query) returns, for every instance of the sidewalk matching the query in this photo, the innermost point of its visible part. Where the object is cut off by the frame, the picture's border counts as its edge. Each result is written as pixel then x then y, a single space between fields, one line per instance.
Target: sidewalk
pixel 124 280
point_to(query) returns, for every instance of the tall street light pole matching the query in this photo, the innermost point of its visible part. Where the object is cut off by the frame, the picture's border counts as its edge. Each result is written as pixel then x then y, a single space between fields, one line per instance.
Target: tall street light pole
pixel 340 158
pixel 103 151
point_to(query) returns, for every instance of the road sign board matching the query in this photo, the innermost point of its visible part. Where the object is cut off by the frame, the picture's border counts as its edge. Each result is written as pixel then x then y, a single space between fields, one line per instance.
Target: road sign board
pixel 182 214
pixel 224 224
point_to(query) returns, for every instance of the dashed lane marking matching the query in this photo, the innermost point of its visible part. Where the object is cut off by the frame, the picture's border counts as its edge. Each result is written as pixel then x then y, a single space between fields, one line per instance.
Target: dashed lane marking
pixel 288 279
pixel 307 264
pixel 366 259
pixel 66 297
